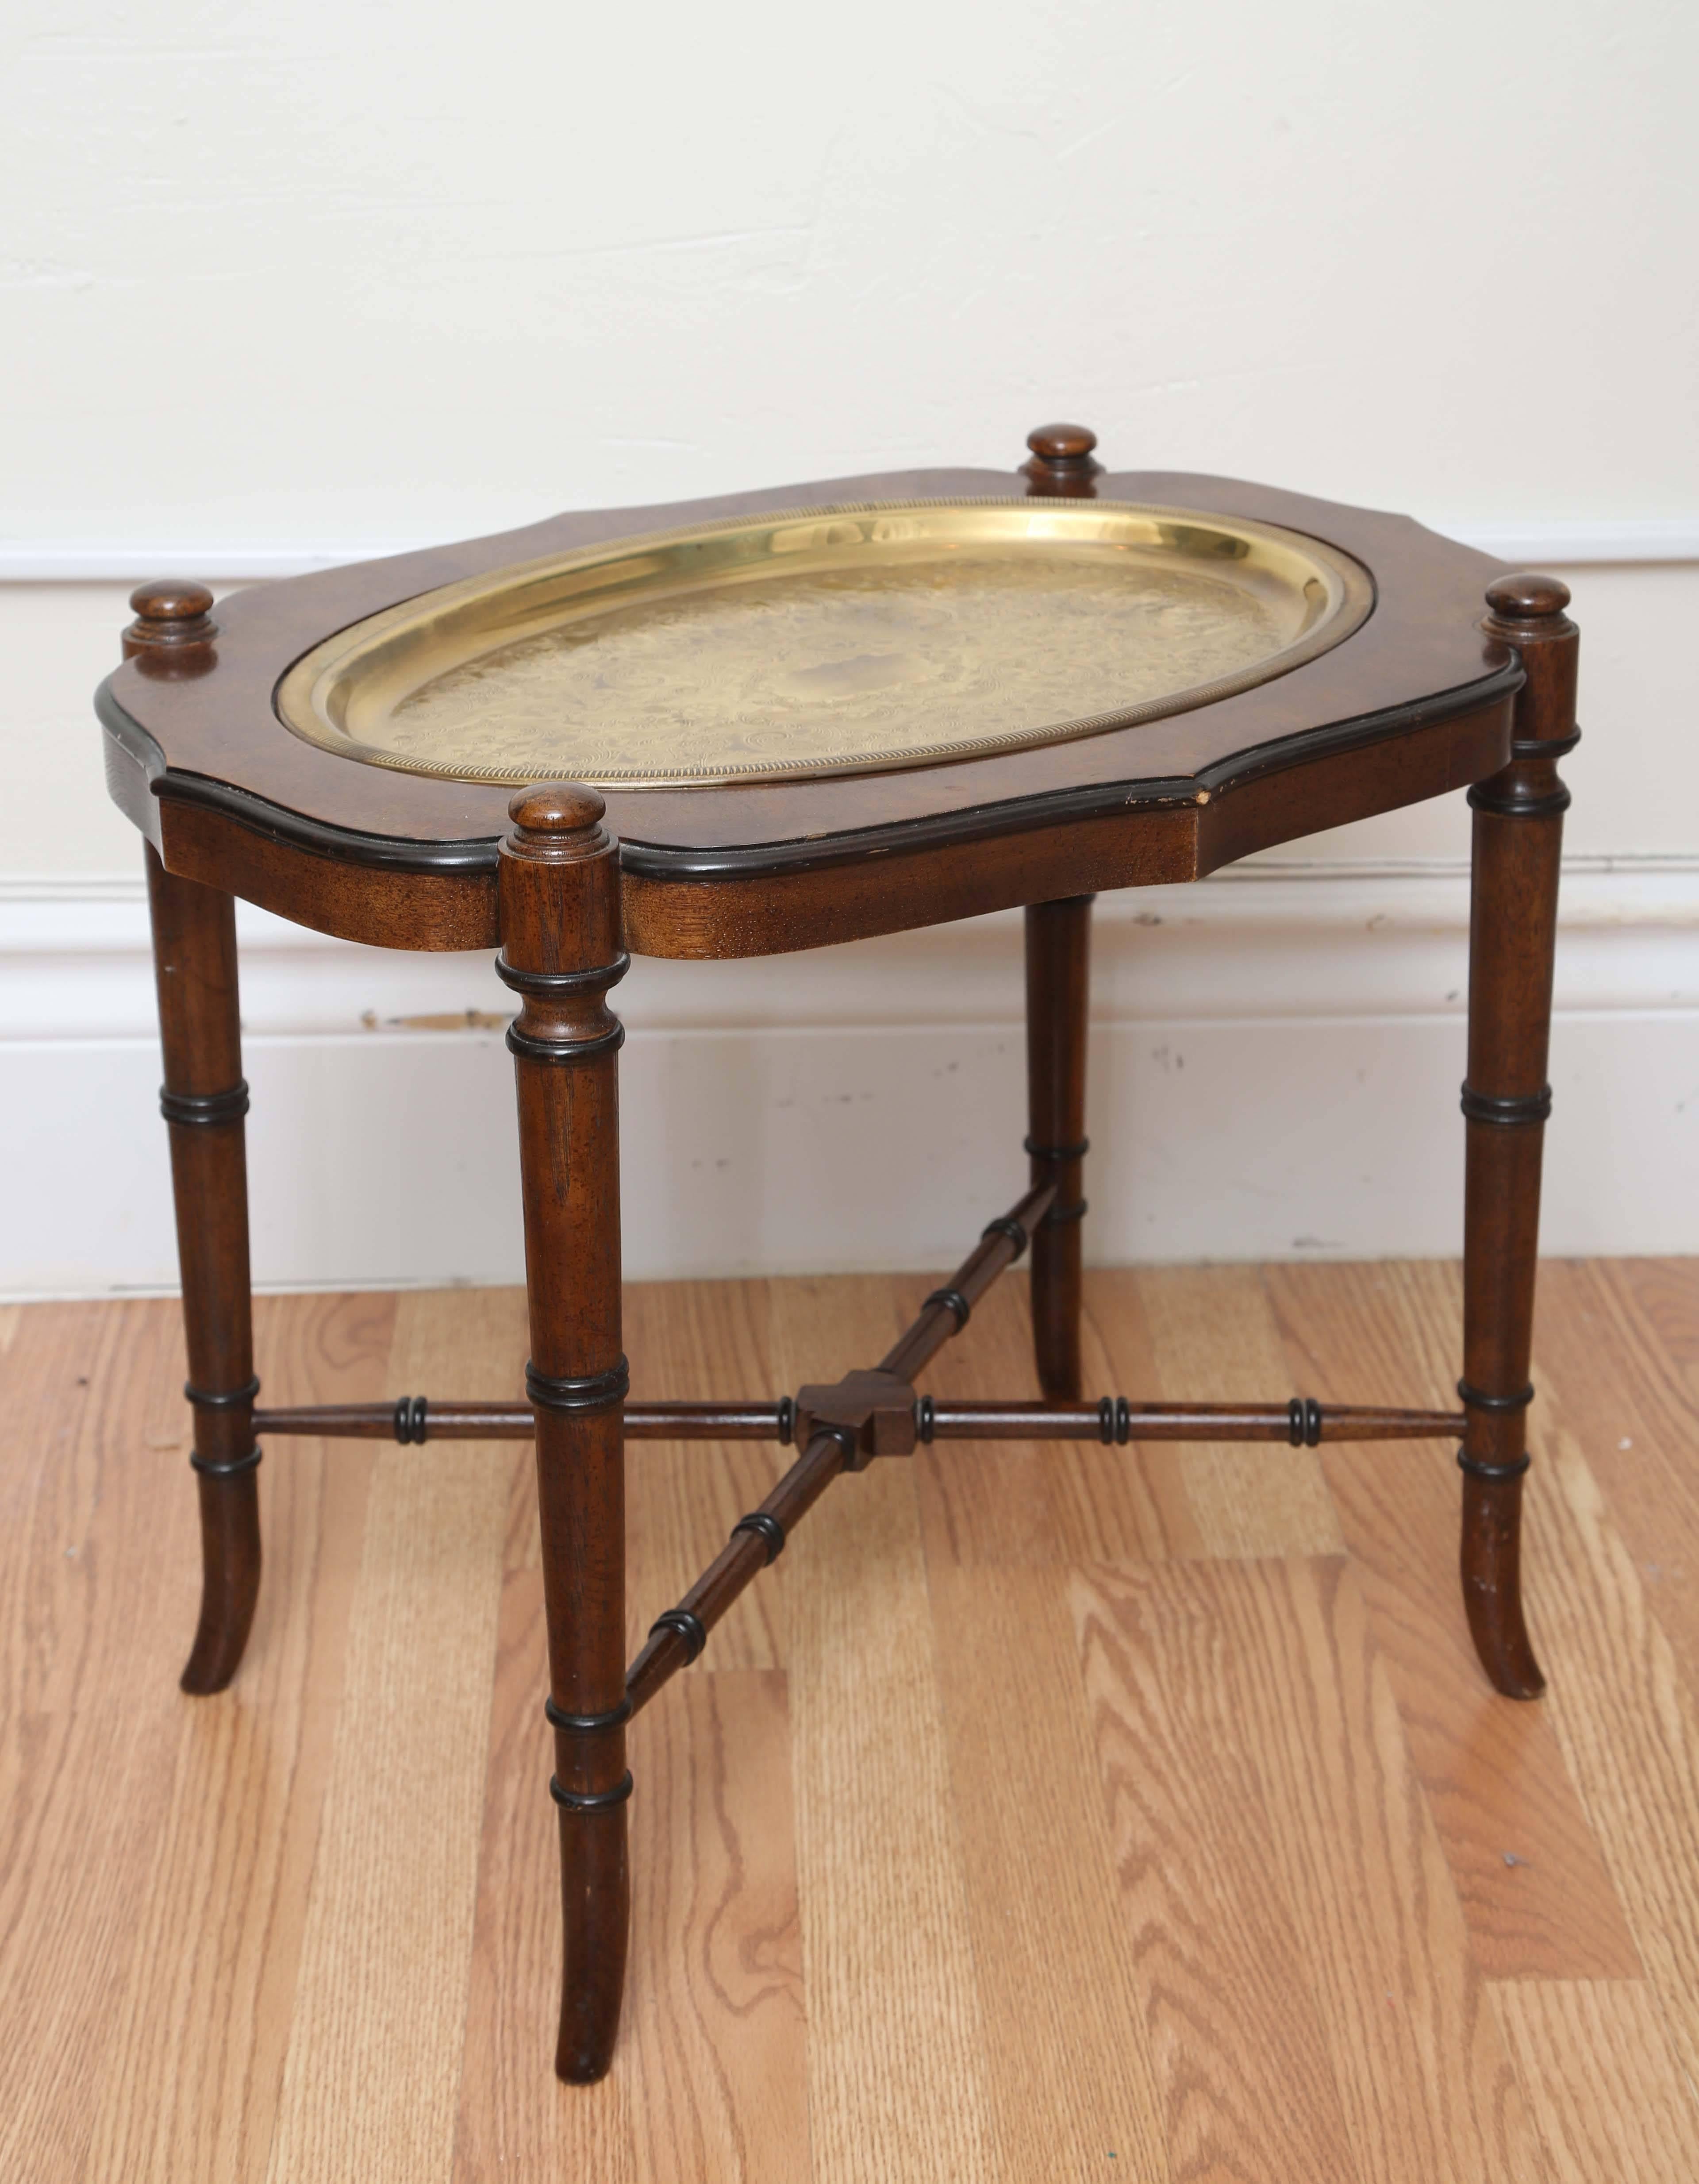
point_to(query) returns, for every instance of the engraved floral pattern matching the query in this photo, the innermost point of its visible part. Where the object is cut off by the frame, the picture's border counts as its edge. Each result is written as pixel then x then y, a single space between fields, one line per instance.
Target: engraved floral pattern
pixel 809 642
pixel 830 668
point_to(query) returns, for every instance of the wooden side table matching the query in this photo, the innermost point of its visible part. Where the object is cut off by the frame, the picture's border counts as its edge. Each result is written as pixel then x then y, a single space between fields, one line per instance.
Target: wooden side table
pixel 748 725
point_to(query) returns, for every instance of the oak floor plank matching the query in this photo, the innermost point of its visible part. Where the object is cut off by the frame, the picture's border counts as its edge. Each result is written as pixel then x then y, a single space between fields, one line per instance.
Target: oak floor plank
pixel 219 1920
pixel 986 1504
pixel 709 2073
pixel 1627 1721
pixel 514 2117
pixel 71 1867
pixel 895 2045
pixel 85 1758
pixel 1665 1295
pixel 1070 2078
pixel 1535 1892
pixel 1606 2094
pixel 311 1928
pixel 1213 1339
pixel 486 1365
pixel 995 1504
pixel 709 2076
pixel 373 2064
pixel 1421 2068
pixel 1126 1504
pixel 87 1474
pixel 41 1519
pixel 1637 1416
pixel 1232 2023
pixel 718 2034
pixel 700 1339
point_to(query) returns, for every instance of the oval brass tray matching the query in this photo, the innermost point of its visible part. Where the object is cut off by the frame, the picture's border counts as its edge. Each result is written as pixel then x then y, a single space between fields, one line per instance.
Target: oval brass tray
pixel 825 641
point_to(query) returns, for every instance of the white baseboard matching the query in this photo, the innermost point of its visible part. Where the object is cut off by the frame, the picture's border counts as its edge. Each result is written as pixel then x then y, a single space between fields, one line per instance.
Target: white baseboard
pixel 1275 1062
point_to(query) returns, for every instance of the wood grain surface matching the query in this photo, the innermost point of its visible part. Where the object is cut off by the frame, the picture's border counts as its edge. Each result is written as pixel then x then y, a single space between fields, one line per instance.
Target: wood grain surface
pixel 1046 1812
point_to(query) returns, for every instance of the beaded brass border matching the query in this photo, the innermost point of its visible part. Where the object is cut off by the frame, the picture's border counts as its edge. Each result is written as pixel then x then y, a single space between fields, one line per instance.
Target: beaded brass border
pixel 309 691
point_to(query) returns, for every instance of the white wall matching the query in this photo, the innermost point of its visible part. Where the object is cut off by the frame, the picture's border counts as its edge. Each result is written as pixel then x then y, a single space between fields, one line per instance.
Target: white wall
pixel 289 285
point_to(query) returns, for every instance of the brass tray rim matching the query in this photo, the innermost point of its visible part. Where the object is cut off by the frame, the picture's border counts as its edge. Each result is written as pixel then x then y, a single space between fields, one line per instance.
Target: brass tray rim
pixel 294 703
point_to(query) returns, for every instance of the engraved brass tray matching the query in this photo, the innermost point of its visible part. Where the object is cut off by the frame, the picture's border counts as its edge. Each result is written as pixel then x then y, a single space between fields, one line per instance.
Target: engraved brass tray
pixel 825 641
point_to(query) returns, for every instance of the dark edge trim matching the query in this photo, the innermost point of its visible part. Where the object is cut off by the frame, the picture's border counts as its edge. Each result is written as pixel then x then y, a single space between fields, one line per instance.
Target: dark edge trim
pixel 958 1305
pixel 1496 1475
pixel 1098 799
pixel 1477 1402
pixel 560 985
pixel 233 1467
pixel 560 1053
pixel 204 1111
pixel 409 1421
pixel 276 822
pixel 1507 1111
pixel 787 1420
pixel 976 824
pixel 1123 1421
pixel 1105 1421
pixel 683 1625
pixel 1247 766
pixel 586 1724
pixel 231 1399
pixel 590 1801
pixel 1312 1423
pixel 341 844
pixel 925 1419
pixel 764 1526
pixel 591 1392
pixel 1058 1214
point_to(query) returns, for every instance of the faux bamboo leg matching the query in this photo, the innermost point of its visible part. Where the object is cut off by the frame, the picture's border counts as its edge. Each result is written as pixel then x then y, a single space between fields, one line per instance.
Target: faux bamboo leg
pixel 1519 823
pixel 560 928
pixel 204 1099
pixel 1058 977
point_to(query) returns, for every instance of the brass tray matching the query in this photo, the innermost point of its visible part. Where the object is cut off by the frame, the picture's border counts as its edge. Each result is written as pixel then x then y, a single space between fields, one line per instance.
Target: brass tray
pixel 825 641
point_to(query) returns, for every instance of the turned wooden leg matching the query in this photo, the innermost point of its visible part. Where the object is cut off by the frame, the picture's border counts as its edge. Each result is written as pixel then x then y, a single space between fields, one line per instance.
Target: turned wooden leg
pixel 1058 979
pixel 204 1099
pixel 561 953
pixel 1518 828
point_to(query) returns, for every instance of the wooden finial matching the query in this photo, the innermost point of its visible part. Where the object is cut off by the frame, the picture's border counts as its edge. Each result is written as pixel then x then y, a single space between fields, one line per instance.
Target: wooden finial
pixel 1526 612
pixel 173 626
pixel 1527 598
pixel 1061 465
pixel 556 807
pixel 555 822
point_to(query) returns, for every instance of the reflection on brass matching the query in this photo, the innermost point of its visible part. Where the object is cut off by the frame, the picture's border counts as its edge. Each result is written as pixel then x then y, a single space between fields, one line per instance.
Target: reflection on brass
pixel 825 641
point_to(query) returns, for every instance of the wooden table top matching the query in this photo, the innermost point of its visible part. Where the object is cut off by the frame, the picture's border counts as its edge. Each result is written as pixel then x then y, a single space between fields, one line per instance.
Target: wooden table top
pixel 1412 703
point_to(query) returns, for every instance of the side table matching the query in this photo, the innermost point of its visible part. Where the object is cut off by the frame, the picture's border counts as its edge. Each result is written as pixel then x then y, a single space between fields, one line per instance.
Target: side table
pixel 742 726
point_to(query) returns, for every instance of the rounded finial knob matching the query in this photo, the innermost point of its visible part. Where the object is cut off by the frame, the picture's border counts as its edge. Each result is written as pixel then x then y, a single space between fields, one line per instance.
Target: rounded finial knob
pixel 1527 598
pixel 171 599
pixel 1061 443
pixel 556 807
pixel 173 620
pixel 1062 463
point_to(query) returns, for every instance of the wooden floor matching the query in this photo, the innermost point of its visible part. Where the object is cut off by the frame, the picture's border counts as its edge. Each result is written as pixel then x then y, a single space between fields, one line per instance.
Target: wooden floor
pixel 1046 1813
